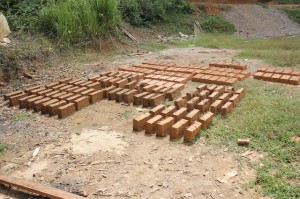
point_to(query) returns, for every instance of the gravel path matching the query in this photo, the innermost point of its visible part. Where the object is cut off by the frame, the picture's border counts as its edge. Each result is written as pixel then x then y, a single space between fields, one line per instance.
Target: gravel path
pixel 256 21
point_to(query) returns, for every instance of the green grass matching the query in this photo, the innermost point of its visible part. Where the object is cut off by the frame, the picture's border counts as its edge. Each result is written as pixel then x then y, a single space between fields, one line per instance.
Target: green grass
pixel 293 13
pixel 288 1
pixel 269 115
pixel 280 51
pixel 2 147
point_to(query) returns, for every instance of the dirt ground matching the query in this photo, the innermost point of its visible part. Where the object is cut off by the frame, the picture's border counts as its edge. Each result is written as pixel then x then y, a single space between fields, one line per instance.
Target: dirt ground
pixel 95 152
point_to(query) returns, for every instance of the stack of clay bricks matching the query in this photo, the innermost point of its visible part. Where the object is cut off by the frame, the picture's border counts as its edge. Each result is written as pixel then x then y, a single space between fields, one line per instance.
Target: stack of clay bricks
pixel 184 73
pixel 229 65
pixel 287 76
pixel 190 113
pixel 66 96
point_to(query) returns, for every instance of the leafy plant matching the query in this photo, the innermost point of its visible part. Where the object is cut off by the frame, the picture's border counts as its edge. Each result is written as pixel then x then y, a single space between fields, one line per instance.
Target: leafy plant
pixel 216 24
pixel 293 13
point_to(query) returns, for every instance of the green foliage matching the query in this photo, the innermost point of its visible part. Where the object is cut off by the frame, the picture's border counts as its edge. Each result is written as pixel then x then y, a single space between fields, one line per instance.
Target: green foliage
pixel 2 147
pixel 22 15
pixel 74 21
pixel 288 1
pixel 216 24
pixel 146 12
pixel 293 13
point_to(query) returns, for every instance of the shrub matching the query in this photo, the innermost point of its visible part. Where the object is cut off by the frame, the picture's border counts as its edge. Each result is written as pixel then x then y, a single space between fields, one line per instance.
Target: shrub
pixel 293 13
pixel 145 12
pixel 74 21
pixel 216 24
pixel 288 1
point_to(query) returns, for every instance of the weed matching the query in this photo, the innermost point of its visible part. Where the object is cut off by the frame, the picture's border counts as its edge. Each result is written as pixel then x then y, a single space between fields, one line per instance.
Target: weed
pixel 225 8
pixel 293 13
pixel 216 24
pixel 269 115
pixel 126 113
pixel 21 117
pixel 280 51
pixel 2 147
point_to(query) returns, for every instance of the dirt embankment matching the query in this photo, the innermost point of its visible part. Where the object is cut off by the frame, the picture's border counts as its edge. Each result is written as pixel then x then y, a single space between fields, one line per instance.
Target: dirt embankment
pixel 257 21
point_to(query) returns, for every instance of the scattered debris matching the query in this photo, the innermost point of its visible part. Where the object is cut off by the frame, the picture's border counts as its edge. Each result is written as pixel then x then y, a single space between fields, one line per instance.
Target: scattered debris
pixel 29 76
pixel 36 152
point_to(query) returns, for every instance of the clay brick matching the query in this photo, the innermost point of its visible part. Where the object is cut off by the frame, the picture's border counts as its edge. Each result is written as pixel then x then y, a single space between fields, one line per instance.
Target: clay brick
pixel 29 102
pixel 230 89
pixel 57 87
pixel 122 83
pixel 57 95
pixel 94 78
pixel 74 81
pixel 6 96
pixel 284 78
pixel 163 127
pixel 287 71
pixel 267 76
pixel 294 80
pixel 178 86
pixel 112 94
pixel 220 89
pixel 203 106
pixel 95 86
pixel 295 73
pixel 72 98
pixel 44 106
pixel 207 119
pixel 157 89
pixel 216 106
pixel 232 81
pixel 164 90
pixel 44 92
pixel 105 82
pixel 79 90
pixel 66 110
pixel 128 97
pixel 156 100
pixel 169 84
pixel 157 109
pixel 214 79
pixel 52 108
pixel 51 85
pixel 222 80
pixel 179 114
pixel 113 81
pixel 168 111
pixel 71 89
pixel 235 99
pixel 191 104
pixel 36 91
pixel 180 102
pixel 37 105
pixel 241 92
pixel 146 99
pixel 211 88
pixel 177 130
pixel 65 96
pixel 226 108
pixel 14 99
pixel 66 80
pixel 82 102
pixel 148 88
pixel 151 124
pixel 225 97
pixel 192 116
pixel 204 94
pixel 202 87
pixel 192 94
pixel 173 94
pixel 87 92
pixel 138 99
pixel 107 90
pixel 120 95
pixel 213 97
pixel 191 132
pixel 131 85
pixel 23 101
pixel 275 77
pixel 140 122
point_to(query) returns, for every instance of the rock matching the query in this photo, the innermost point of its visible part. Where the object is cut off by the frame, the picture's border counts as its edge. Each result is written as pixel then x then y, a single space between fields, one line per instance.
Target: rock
pixel 243 142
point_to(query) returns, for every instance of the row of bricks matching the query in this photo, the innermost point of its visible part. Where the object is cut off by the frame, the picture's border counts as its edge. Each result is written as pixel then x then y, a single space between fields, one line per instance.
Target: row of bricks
pixel 136 70
pixel 63 104
pixel 175 74
pixel 160 83
pixel 282 71
pixel 229 65
pixel 213 79
pixel 175 79
pixel 287 79
pixel 163 121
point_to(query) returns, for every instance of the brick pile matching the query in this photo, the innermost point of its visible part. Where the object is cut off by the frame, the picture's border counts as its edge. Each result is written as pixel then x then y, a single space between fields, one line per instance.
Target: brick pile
pixel 287 76
pixel 226 74
pixel 229 65
pixel 190 113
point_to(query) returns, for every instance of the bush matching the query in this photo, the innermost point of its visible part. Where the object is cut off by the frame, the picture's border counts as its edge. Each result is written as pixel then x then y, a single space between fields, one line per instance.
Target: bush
pixel 145 12
pixel 293 13
pixel 216 24
pixel 74 21
pixel 22 15
pixel 288 1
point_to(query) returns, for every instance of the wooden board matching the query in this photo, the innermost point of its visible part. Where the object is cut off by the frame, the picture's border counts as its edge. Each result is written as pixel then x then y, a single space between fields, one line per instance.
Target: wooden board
pixel 37 188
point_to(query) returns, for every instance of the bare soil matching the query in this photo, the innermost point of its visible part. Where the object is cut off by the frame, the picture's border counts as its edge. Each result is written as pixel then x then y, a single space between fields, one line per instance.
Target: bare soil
pixel 95 151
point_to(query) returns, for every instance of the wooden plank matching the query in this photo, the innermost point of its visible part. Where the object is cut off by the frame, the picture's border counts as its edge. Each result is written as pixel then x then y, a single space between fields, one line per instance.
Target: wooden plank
pixel 37 188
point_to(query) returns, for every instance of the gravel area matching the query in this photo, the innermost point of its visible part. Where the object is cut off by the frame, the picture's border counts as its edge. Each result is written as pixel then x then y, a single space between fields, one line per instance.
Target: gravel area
pixel 256 21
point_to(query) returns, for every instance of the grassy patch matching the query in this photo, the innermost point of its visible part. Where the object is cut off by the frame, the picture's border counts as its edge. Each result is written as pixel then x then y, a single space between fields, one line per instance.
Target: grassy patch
pixel 269 115
pixel 280 51
pixel 2 147
pixel 293 13
pixel 288 1
pixel 22 117
pixel 126 114
pixel 216 24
